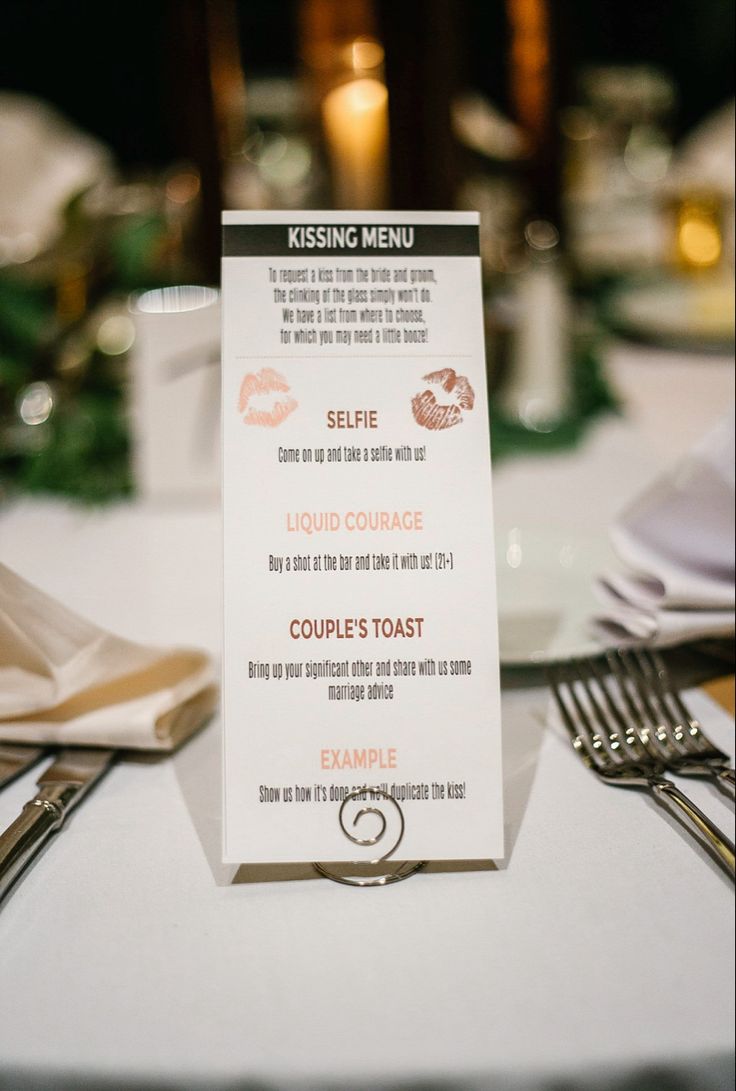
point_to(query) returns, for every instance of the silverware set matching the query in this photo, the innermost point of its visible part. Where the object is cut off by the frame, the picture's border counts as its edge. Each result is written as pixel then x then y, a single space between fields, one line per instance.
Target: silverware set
pixel 626 720
pixel 630 726
pixel 62 784
pixel 69 775
pixel 684 746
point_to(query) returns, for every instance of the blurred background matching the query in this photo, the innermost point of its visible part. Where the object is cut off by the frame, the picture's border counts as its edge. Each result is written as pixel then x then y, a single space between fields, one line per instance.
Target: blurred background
pixel 595 137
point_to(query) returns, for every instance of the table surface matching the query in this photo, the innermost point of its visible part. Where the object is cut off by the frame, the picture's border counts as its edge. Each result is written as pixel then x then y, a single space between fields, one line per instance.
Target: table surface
pixel 600 951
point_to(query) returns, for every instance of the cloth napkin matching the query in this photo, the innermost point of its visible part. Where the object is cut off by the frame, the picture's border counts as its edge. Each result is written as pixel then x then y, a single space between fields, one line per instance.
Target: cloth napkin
pixel 46 161
pixel 63 680
pixel 676 542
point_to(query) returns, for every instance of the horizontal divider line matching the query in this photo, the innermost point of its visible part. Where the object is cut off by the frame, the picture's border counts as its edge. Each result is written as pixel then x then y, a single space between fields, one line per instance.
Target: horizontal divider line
pixel 362 356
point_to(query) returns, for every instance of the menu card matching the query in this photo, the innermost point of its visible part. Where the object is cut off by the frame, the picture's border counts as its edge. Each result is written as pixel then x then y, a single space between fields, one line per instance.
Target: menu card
pixel 360 643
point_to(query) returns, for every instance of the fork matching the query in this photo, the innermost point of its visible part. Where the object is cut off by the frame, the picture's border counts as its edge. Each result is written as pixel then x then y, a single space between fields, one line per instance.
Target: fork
pixel 664 718
pixel 608 743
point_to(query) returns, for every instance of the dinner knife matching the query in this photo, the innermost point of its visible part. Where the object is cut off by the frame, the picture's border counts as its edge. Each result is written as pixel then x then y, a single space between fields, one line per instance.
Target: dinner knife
pixel 14 760
pixel 62 785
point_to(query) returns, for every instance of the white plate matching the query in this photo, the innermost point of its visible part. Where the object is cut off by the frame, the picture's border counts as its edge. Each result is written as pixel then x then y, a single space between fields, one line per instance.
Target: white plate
pixel 681 312
pixel 545 594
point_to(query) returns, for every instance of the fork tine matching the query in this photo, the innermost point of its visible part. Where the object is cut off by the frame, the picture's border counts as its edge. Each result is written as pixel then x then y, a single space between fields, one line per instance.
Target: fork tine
pixel 689 723
pixel 585 679
pixel 655 676
pixel 627 718
pixel 577 723
pixel 692 751
pixel 686 728
pixel 604 758
pixel 622 676
pixel 592 736
pixel 652 731
pixel 607 723
pixel 557 681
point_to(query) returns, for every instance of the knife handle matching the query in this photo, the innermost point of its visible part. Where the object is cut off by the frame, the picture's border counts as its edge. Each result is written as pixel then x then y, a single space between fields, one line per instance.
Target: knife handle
pixel 24 837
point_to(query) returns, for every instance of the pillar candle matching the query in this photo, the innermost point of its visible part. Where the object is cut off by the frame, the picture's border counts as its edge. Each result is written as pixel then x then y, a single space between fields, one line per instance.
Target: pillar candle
pixel 355 118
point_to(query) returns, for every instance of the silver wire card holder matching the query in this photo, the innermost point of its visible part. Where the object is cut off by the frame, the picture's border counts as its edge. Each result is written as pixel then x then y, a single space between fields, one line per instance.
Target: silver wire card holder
pixel 368 878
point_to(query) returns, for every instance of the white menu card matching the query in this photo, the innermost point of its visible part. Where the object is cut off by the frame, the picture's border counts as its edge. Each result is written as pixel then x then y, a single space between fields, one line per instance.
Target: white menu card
pixel 360 643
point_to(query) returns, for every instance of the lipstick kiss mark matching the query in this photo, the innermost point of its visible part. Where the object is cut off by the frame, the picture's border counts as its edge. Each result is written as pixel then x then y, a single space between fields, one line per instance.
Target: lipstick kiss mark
pixel 434 415
pixel 272 411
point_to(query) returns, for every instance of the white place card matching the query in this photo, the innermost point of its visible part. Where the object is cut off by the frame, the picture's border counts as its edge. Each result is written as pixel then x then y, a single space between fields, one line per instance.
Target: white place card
pixel 360 645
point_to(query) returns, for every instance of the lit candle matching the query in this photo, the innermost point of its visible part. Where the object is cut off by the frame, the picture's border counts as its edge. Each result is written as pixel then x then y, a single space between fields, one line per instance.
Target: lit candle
pixel 530 67
pixel 355 117
pixel 699 238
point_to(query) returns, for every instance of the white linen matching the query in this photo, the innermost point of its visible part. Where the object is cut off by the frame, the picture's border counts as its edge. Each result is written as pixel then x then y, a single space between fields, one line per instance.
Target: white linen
pixel 65 680
pixel 600 955
pixel 677 541
pixel 576 965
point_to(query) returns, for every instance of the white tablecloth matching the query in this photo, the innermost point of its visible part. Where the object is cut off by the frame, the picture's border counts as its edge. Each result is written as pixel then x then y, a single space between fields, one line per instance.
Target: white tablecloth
pixel 598 954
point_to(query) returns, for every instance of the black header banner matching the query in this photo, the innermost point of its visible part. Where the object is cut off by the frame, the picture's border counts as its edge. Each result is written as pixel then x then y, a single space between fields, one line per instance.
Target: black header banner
pixel 376 239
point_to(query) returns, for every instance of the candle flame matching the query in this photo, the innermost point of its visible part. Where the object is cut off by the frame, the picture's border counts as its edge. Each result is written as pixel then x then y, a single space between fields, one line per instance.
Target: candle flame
pixel 699 242
pixel 365 53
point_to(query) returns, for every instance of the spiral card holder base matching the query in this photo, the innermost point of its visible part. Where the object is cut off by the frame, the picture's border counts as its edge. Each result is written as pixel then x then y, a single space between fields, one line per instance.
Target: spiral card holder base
pixel 364 874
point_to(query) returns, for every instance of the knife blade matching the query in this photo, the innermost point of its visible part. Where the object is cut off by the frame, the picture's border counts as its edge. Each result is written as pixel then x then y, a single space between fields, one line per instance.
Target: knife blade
pixel 14 760
pixel 62 785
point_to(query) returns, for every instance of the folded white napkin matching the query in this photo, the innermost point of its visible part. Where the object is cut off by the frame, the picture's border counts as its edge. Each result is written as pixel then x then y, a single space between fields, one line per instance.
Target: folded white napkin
pixel 63 680
pixel 46 161
pixel 677 541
